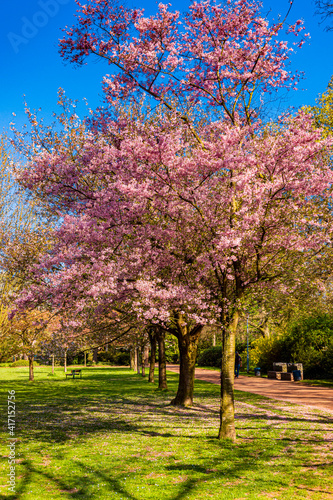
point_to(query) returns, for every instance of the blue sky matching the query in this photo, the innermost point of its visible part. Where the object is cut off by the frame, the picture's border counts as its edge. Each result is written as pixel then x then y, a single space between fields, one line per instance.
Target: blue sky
pixel 31 65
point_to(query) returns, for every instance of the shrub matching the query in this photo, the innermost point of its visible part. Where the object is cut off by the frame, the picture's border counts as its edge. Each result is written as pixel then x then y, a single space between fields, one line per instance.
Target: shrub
pixel 171 349
pixel 89 358
pixel 22 362
pixel 205 342
pixel 308 341
pixel 122 358
pixel 211 357
pixel 266 351
pixel 106 356
pixel 113 357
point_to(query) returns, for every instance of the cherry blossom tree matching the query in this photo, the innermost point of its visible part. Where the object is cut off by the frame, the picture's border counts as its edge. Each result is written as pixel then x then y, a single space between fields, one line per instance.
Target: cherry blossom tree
pixel 180 233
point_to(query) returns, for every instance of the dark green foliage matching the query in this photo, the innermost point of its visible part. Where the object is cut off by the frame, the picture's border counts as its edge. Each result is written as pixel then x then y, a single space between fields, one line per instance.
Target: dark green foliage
pixel 89 358
pixel 311 341
pixel 113 357
pixel 266 351
pixel 171 349
pixel 22 362
pixel 106 356
pixel 241 348
pixel 205 342
pixel 172 358
pixel 211 357
pixel 122 358
pixel 308 341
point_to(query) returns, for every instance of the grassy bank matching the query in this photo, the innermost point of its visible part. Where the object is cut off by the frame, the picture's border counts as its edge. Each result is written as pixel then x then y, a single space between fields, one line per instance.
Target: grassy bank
pixel 112 435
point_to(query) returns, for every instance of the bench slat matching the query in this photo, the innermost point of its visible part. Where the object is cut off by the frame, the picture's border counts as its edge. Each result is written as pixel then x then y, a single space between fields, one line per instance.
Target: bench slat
pixel 73 373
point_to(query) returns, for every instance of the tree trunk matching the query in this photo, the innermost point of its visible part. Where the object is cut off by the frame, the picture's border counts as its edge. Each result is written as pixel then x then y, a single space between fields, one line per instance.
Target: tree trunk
pixel 65 361
pixel 188 344
pixel 152 340
pixel 143 366
pixel 146 355
pixel 52 363
pixel 227 411
pixel 132 359
pixel 95 354
pixel 31 368
pixel 137 355
pixel 85 358
pixel 162 380
pixel 135 360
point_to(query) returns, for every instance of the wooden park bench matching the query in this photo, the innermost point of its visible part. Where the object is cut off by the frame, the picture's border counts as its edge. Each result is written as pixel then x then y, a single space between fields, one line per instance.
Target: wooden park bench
pixel 73 373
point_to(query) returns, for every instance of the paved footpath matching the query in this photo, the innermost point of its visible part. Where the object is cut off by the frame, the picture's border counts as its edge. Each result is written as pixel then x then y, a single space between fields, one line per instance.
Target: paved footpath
pixel 282 390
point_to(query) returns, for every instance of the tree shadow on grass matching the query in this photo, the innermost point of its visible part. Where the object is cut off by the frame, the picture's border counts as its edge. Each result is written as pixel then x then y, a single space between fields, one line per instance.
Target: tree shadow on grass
pixel 86 478
pixel 238 462
pixel 83 482
pixel 79 485
pixel 60 424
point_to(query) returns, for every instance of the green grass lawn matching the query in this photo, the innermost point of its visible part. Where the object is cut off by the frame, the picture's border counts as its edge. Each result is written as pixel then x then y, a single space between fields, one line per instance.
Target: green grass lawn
pixel 111 435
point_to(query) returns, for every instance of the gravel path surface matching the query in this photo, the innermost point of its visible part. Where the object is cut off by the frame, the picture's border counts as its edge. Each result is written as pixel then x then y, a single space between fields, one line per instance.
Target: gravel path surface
pixel 282 390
